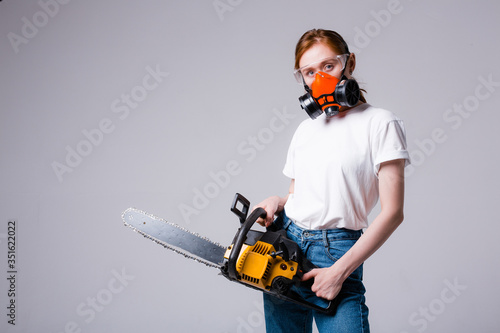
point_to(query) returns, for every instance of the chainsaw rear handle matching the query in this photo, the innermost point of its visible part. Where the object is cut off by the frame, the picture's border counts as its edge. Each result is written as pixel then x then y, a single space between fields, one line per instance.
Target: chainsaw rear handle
pixel 240 240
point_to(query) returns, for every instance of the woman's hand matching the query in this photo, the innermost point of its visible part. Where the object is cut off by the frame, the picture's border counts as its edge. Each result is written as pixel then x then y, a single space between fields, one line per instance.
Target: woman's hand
pixel 327 281
pixel 271 206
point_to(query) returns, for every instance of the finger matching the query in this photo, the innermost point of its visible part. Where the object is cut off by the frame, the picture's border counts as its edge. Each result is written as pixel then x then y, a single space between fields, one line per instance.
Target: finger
pixel 328 295
pixel 269 221
pixel 264 222
pixel 261 221
pixel 309 275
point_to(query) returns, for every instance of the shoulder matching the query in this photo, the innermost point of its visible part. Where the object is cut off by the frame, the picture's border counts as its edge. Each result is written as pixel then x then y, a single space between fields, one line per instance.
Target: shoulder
pixel 307 125
pixel 380 114
pixel 379 119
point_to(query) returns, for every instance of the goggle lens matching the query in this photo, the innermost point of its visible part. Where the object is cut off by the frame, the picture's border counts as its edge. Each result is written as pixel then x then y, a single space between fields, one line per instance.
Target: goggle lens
pixel 332 66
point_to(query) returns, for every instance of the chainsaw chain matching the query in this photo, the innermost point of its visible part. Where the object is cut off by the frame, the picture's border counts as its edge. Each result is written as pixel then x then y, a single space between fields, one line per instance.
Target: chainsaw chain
pixel 176 250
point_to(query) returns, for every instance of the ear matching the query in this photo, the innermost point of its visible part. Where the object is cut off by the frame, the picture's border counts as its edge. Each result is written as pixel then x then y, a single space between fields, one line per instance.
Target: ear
pixel 351 64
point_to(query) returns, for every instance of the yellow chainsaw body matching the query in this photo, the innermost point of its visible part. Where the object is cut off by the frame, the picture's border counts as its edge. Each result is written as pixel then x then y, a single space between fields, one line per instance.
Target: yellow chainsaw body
pixel 257 267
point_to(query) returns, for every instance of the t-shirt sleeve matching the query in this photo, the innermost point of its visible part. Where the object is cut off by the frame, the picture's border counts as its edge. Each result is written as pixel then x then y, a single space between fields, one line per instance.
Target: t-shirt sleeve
pixel 390 144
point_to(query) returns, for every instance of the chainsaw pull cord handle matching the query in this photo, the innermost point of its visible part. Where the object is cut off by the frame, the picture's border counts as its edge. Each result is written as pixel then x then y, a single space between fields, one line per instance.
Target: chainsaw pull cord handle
pixel 240 240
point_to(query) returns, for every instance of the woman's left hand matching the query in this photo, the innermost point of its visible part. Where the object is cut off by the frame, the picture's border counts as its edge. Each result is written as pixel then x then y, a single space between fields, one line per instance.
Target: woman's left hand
pixel 327 281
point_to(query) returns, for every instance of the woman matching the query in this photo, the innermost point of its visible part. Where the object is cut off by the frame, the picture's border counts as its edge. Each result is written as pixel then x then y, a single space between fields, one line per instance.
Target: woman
pixel 339 167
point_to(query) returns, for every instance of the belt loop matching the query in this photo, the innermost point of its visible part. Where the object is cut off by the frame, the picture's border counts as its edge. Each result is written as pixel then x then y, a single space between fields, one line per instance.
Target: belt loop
pixel 286 220
pixel 325 238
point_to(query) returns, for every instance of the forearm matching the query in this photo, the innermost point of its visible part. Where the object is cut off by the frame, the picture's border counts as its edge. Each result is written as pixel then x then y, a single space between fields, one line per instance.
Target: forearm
pixel 328 281
pixel 373 238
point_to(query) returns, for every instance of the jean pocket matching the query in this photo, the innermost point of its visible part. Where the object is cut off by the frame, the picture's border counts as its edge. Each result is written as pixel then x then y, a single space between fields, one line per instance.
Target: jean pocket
pixel 337 248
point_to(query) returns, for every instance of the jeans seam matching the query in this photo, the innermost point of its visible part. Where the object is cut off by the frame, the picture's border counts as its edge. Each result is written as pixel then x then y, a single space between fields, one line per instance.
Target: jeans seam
pixel 361 316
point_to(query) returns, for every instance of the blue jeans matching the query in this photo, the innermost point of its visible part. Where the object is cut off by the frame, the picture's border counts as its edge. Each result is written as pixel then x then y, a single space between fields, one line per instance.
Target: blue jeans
pixel 323 248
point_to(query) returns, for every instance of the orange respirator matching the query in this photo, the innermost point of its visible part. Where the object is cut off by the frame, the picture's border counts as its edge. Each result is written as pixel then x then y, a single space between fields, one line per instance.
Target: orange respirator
pixel 328 93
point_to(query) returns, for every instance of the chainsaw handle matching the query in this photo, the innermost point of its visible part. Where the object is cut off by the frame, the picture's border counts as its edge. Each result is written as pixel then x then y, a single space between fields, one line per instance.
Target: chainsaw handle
pixel 241 213
pixel 240 240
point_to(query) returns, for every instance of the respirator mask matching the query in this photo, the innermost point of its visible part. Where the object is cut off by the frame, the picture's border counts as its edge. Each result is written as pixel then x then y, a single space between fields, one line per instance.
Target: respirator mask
pixel 326 92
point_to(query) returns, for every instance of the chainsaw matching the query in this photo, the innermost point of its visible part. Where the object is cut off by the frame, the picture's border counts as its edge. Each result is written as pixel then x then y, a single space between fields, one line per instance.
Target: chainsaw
pixel 267 261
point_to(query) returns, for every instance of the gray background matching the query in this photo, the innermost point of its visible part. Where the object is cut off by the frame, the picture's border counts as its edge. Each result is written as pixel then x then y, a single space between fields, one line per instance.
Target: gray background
pixel 229 98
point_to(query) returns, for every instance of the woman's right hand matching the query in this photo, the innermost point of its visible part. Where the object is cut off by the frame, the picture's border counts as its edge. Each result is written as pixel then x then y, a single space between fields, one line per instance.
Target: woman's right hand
pixel 271 206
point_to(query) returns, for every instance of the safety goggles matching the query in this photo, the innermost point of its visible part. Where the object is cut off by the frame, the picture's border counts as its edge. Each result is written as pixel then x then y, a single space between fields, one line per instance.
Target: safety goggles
pixel 331 65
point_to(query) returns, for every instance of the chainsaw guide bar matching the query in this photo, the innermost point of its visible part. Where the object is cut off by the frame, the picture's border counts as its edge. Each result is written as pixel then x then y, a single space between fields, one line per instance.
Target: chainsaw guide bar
pixel 174 237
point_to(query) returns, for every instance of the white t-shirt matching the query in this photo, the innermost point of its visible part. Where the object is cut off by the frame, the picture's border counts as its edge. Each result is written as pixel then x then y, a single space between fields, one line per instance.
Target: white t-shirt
pixel 335 165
